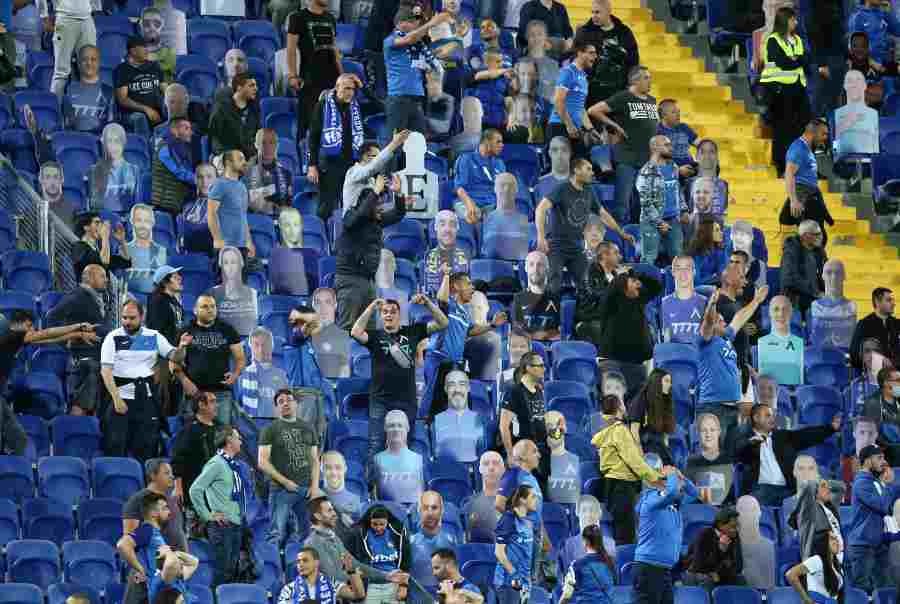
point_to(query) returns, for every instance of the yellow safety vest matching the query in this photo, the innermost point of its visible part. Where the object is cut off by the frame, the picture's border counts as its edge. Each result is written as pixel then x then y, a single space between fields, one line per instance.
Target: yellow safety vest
pixel 771 72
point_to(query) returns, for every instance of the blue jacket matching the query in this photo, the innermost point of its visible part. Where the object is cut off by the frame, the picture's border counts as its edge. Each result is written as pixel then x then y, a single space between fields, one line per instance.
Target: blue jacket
pixel 868 509
pixel 660 532
pixel 593 581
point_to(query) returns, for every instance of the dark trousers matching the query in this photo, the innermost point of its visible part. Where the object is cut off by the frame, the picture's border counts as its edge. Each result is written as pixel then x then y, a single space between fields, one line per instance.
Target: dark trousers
pixel 652 584
pixel 331 185
pixel 354 293
pixel 578 148
pixel 87 389
pixel 770 494
pixel 404 113
pixel 309 96
pixel 225 543
pixel 869 566
pixel 576 263
pixel 789 113
pixel 621 496
pixel 814 208
pixel 136 432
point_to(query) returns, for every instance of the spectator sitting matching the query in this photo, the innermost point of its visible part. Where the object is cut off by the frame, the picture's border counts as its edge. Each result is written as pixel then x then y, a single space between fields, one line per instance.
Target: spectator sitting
pixel 879 26
pixel 347 504
pixel 590 579
pixel 235 119
pixel 399 472
pixel 431 537
pixel 554 16
pixel 94 245
pixel 138 83
pixel 592 291
pixel 711 468
pixel 781 352
pixel 537 310
pixel 380 540
pixel 173 175
pixel 260 380
pixel 833 316
pixel 332 344
pixel 195 445
pixel 561 467
pixel 270 183
pixel 560 151
pixel 446 227
pixel 310 581
pixel 491 85
pixel 459 431
pixel 802 261
pixel 884 407
pixel 194 218
pixel 682 311
pixel 682 136
pixel 880 325
pixel 708 251
pixel 481 518
pixel 589 512
pixel 146 255
pixel 475 174
pixel 506 222
pixel 651 415
pixel 87 104
pixel 715 554
pixel 758 553
pixel 469 139
pixel 440 107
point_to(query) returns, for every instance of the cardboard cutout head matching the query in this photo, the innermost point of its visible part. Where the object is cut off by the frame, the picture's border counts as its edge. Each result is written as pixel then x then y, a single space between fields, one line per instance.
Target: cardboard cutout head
pixel 833 275
pixel 560 155
pixel 589 512
pixel 536 267
pixel 335 471
pixel 177 100
pixel 235 63
pixel 324 301
pixel 703 192
pixel 152 25
pixel 865 433
pixel 710 432
pixel 491 466
pixel 855 87
pixel 142 222
pixel 805 469
pixel 113 140
pixel 51 181
pixel 506 187
pixel 446 226
pixel 261 344
pixel 290 224
pixel 396 429
pixel 742 236
pixel 456 384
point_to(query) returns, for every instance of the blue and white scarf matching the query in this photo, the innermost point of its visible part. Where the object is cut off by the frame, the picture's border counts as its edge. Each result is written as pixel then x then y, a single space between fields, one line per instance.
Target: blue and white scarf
pixel 324 594
pixel 242 489
pixel 420 55
pixel 333 131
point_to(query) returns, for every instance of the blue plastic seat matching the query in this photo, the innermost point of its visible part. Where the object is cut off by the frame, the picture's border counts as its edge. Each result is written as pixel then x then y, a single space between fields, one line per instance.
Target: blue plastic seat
pixel 27 271
pixel 451 479
pixel 20 593
pixel 730 594
pixel 137 152
pixel 479 571
pixel 523 162
pixel 90 563
pixel 76 436
pixel 58 593
pixel 556 522
pixel 376 127
pixel 280 114
pixel 46 396
pixel 351 438
pixel 16 478
pixel 33 561
pixel 199 76
pixel 116 477
pixel 405 276
pixel 826 367
pixel 77 152
pixel 235 593
pixel 567 388
pixel 44 105
pixel 48 519
pixel 101 520
pixel 204 573
pixel 481 269
pixel 258 39
pixel 346 37
pixel 51 358
pixel 314 235
pixel 357 69
pixel 262 73
pixel 696 517
pixel 17 300
pixel 885 595
pixel 406 239
pixel 269 558
pixel 39 69
pixel 10 527
pixel 262 229
pixel 18 145
pixel 208 37
pixel 196 272
pixel 575 361
pixel 63 479
pixel 7 231
pixel 685 594
pixel 287 155
pixel 817 405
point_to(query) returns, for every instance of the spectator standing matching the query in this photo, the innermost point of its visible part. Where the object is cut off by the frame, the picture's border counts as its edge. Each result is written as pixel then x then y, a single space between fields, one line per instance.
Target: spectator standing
pixel 393 367
pixel 372 161
pixel 227 206
pixel 523 408
pixel 879 325
pixel 235 119
pixel 312 585
pixel 707 248
pixel 651 415
pixel 173 570
pixel 663 208
pixel 335 141
pixel 770 453
pixel 220 497
pixel 805 201
pixel 636 109
pixel 560 152
pixel 780 353
pixel 572 203
pixel 406 56
pixel 591 577
pixel 715 554
pixel 873 499
pixel 548 68
pixel 823 572
pixel 94 245
pixel 622 468
pixel 159 482
pixel 783 80
pixel 139 548
pixel 381 540
pixel 440 107
pixel 87 104
pixel 128 357
pixel 569 117
pixel 833 316
pixel 289 456
pixel 73 29
pixel 682 310
pixel 431 537
pixel 592 292
pixel 311 30
pixel 173 167
pixel 215 357
pixel 270 183
pixel 164 310
pixel 515 547
pixel 815 512
pixel 138 83
pixel 554 16
pixel 617 51
pixel 196 445
pixel 474 178
pixel 884 407
pixel 802 262
pixel 491 85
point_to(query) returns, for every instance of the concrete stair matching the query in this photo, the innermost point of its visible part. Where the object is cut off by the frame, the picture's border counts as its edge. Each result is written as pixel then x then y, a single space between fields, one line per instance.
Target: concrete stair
pixel 712 104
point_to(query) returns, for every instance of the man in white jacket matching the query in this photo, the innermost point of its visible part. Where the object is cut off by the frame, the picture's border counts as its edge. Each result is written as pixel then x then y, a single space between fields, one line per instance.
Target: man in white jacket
pixel 73 28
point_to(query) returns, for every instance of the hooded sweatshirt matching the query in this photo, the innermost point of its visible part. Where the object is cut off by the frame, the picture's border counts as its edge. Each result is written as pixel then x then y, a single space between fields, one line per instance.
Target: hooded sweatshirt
pixel 871 502
pixel 617 53
pixel 660 525
pixel 620 454
pixel 359 546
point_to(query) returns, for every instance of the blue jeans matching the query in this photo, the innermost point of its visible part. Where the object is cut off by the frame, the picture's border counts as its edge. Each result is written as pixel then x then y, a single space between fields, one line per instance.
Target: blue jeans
pixel 508 595
pixel 625 176
pixel 284 521
pixel 770 494
pixel 139 124
pixel 225 543
pixel 868 566
pixel 653 241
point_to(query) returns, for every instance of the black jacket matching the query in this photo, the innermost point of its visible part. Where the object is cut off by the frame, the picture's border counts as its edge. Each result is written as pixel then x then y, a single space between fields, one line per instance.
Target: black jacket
pixel 359 246
pixel 787 445
pixel 886 332
pixel 357 540
pixel 80 306
pixel 626 332
pixel 164 314
pixel 228 131
pixel 617 53
pixel 194 446
pixel 706 557
pixel 592 294
pixel 801 269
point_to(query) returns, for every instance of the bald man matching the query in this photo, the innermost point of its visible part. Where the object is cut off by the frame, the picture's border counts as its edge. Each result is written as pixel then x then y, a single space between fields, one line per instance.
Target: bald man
pixel 856 124
pixel 663 207
pixel 431 536
pixel 833 315
pixel 523 466
pixel 481 517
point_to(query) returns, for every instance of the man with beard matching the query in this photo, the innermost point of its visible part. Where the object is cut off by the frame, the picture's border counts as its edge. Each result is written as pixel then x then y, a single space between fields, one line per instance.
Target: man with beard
pixel 447 252
pixel 663 208
pixel 194 216
pixel 537 310
pixel 459 431
pixel 445 568
pixel 51 184
pixel 569 117
pixel 261 379
pixel 572 202
pixel 235 119
pixel 146 255
pixel 617 51
pixel 227 207
pixel 560 152
pixel 430 538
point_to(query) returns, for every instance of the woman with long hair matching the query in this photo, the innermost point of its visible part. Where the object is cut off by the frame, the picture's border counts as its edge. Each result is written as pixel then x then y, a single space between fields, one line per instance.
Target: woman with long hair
pixel 514 547
pixel 708 250
pixel 522 411
pixel 824 577
pixel 590 578
pixel 113 181
pixel 783 82
pixel 651 414
pixel 236 301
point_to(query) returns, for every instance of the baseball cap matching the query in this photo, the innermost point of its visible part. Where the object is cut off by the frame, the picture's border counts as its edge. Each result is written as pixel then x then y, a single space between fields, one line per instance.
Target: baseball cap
pixel 135 41
pixel 868 452
pixel 160 274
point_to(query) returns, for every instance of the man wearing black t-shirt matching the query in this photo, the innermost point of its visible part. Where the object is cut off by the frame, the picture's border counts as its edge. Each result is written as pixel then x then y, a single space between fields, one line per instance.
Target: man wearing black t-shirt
pixel 206 367
pixel 393 351
pixel 313 31
pixel 137 82
pixel 536 310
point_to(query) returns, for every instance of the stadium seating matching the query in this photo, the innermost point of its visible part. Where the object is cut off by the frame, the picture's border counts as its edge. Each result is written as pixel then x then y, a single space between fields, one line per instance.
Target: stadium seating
pixel 33 561
pixel 116 477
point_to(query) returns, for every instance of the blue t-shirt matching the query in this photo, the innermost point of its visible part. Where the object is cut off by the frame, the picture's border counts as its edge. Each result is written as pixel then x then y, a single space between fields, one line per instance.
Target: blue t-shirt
pixel 403 77
pixel 575 81
pixel 451 342
pixel 383 551
pixel 799 153
pixel 147 541
pixel 516 477
pixel 233 201
pixel 399 476
pixel 682 137
pixel 718 375
pixel 672 193
pixel 476 174
pixel 517 534
pixel 681 318
pixel 492 94
pixel 421 547
pixel 87 107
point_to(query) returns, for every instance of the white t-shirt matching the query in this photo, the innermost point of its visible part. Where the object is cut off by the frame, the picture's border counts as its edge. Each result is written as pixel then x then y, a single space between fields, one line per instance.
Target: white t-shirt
pixel 815 577
pixel 133 356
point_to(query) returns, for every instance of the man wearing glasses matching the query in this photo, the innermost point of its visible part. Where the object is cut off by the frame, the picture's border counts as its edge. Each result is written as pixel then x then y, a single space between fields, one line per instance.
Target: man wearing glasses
pixel 311 585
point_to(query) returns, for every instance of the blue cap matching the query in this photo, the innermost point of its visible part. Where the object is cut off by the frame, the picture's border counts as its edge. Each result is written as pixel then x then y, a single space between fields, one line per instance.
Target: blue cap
pixel 160 274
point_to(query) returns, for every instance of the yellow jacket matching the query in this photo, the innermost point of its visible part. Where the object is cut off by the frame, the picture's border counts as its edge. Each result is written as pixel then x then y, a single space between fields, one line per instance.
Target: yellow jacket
pixel 620 454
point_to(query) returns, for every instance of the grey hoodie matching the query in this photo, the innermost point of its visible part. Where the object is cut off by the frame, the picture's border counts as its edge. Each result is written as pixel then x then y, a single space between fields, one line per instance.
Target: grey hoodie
pixel 331 549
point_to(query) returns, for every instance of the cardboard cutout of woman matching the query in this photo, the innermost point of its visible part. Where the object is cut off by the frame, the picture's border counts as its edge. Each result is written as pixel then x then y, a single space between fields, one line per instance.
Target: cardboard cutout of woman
pixel 112 181
pixel 237 302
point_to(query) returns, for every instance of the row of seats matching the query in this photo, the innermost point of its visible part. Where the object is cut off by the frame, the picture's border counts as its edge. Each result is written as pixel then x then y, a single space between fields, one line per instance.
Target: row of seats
pixel 69 480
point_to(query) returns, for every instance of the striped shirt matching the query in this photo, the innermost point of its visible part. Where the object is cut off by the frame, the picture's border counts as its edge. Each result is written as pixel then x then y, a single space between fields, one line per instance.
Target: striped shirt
pixel 133 356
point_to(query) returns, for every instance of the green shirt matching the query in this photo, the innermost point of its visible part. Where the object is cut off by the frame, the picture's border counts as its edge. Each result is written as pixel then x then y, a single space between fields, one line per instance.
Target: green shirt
pixel 782 358
pixel 291 453
pixel 211 491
